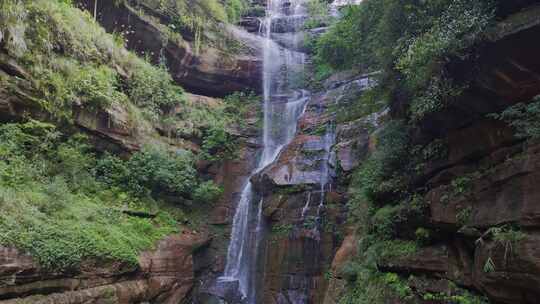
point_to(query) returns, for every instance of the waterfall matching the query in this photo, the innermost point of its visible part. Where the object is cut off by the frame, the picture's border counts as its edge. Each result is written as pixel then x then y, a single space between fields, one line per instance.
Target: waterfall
pixel 284 103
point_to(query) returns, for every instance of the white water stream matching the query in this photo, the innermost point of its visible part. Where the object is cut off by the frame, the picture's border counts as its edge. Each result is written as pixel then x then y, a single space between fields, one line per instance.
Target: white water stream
pixel 283 105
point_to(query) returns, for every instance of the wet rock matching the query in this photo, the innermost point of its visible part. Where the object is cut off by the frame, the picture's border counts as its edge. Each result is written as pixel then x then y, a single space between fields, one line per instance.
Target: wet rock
pixel 251 24
pixel 507 73
pixel 293 41
pixel 353 143
pixel 225 290
pixel 288 24
pixel 506 193
pixel 347 250
pixel 298 164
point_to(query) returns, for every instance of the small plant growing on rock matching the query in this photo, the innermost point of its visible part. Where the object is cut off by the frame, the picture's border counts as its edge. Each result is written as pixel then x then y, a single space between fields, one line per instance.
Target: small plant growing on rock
pixel 505 236
pixel 464 215
pixel 282 229
pixel 489 266
pixel 423 236
pixel 524 118
pixel 207 192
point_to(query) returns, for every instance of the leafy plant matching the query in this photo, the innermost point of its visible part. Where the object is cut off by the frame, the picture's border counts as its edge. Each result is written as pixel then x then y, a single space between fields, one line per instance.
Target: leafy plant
pixel 319 14
pixel 153 88
pixel 53 207
pixel 207 192
pixel 218 144
pixel 423 236
pixel 524 118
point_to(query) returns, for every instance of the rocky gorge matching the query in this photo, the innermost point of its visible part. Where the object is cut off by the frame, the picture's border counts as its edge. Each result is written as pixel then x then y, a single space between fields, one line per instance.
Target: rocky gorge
pixel 340 209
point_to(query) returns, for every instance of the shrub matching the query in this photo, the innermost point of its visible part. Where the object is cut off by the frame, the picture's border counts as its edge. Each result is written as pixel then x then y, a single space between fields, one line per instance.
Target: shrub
pixel 218 144
pixel 319 14
pixel 235 9
pixel 153 88
pixel 12 26
pixel 112 170
pixel 423 236
pixel 52 206
pixel 379 174
pixel 524 118
pixel 207 192
pixel 155 170
pixel 411 42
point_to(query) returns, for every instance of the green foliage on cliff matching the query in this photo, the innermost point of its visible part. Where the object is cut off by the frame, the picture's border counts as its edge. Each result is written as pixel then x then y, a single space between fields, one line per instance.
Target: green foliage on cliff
pixel 382 203
pixel 200 22
pixel 523 117
pixel 157 173
pixel 151 171
pixel 53 205
pixel 411 42
pixel 153 88
pixel 73 62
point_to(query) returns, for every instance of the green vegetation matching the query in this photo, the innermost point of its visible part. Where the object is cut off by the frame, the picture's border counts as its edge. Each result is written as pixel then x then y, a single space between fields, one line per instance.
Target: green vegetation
pixel 319 14
pixel 73 65
pixel 375 287
pixel 464 216
pixel 411 43
pixel 281 230
pixel 524 118
pixel 61 200
pixel 63 204
pixel 54 206
pixel 423 236
pixel 153 89
pixel 465 297
pixel 507 237
pixel 379 175
pixel 381 202
pixel 198 21
pixel 218 144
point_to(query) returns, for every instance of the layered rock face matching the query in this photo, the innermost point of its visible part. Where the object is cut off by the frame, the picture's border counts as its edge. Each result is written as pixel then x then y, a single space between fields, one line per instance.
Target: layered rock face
pixel 496 173
pixel 171 272
pixel 210 71
pixel 117 128
pixel 164 275
pixel 305 199
pixel 308 245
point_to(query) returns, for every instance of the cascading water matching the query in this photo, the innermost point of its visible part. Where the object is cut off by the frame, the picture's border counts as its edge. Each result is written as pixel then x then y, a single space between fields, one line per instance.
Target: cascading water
pixel 283 105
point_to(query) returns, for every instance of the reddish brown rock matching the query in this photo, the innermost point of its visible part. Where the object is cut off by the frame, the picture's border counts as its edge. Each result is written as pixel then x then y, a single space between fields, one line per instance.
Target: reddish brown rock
pixel 347 250
pixel 164 275
pixel 211 72
pixel 298 164
pixel 352 143
pixel 505 193
pixel 515 276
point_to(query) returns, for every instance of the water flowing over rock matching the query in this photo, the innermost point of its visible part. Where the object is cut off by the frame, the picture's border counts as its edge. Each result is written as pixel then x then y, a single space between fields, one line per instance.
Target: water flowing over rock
pixel 283 105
